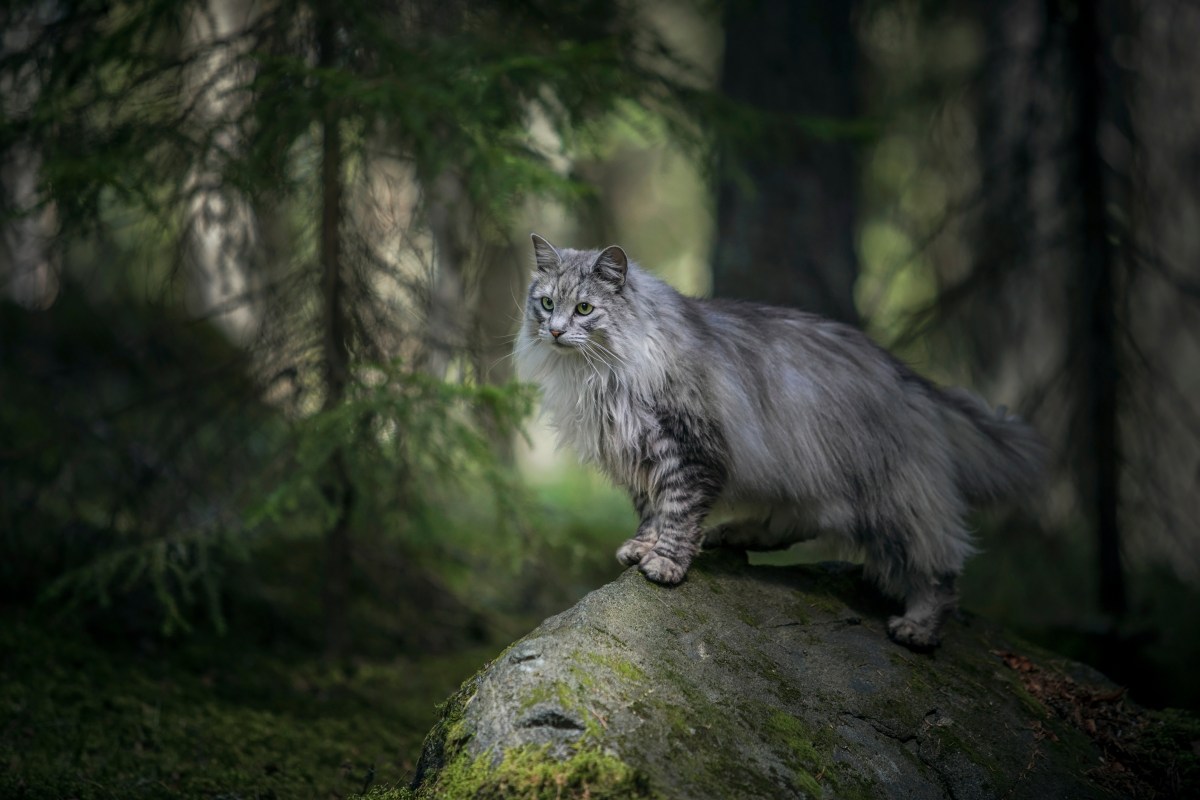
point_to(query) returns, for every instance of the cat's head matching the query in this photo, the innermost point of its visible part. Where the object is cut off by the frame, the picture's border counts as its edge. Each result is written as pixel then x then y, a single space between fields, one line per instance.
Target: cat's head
pixel 576 302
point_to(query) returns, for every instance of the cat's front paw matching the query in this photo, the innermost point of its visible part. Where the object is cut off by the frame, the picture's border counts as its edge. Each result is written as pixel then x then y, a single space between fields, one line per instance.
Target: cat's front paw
pixel 633 551
pixel 919 635
pixel 661 569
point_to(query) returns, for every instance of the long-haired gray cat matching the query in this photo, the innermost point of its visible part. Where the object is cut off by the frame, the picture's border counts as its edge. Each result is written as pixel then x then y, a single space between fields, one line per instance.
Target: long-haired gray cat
pixel 796 424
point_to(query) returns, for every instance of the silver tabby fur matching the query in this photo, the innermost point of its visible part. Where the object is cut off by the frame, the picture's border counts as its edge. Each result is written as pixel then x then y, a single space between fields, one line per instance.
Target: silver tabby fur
pixel 792 425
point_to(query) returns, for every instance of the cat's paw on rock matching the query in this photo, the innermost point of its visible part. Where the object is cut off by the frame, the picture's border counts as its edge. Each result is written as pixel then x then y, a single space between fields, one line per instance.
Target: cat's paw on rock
pixel 661 569
pixel 633 551
pixel 914 634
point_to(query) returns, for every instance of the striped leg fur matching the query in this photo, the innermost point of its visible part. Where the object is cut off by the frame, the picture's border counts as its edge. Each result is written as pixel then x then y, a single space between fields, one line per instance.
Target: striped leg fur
pixel 684 479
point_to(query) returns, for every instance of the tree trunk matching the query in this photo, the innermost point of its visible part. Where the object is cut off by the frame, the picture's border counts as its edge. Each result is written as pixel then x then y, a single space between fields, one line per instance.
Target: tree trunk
pixel 504 264
pixel 786 235
pixel 221 230
pixel 338 489
pixel 29 263
pixel 448 210
pixel 1097 330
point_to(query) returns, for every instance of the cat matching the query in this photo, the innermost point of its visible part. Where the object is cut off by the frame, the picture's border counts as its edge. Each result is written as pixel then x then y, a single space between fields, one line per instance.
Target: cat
pixel 796 425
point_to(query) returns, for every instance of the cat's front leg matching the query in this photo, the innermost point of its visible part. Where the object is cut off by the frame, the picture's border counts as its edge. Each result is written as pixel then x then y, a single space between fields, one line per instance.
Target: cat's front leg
pixel 685 492
pixel 646 537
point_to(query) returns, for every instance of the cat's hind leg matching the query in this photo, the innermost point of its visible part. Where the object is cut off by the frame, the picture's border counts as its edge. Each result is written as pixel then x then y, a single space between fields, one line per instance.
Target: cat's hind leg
pixel 909 563
pixel 916 545
pixel 926 606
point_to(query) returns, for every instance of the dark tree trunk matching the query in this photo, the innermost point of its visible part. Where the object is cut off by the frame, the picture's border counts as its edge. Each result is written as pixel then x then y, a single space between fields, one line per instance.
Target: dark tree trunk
pixel 989 318
pixel 1097 330
pixel 338 489
pixel 786 231
pixel 504 264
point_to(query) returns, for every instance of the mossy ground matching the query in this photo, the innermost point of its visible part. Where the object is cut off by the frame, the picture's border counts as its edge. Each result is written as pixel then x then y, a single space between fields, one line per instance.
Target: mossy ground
pixel 215 718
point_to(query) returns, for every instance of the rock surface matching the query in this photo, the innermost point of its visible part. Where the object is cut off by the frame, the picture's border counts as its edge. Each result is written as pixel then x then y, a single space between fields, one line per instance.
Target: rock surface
pixel 755 682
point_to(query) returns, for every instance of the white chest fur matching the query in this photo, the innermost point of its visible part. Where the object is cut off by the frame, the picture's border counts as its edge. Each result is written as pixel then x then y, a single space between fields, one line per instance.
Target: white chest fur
pixel 594 410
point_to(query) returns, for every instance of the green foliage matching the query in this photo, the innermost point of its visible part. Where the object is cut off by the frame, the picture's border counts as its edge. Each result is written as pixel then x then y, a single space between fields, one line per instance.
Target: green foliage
pixel 122 461
pixel 136 482
pixel 409 442
pixel 173 569
pixel 123 108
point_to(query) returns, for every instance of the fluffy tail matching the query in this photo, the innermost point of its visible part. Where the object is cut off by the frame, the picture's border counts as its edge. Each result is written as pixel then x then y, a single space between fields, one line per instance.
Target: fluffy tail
pixel 998 456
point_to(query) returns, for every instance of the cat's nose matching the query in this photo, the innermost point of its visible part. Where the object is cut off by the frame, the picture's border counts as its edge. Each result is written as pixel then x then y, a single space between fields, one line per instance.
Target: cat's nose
pixel 555 333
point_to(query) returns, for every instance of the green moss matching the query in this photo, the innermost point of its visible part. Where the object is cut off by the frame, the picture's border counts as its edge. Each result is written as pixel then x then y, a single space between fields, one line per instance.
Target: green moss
pixel 1031 703
pixel 532 773
pixel 539 693
pixel 577 695
pixel 746 617
pixel 387 793
pixel 799 613
pixel 800 746
pixel 827 603
pixel 1167 746
pixel 624 668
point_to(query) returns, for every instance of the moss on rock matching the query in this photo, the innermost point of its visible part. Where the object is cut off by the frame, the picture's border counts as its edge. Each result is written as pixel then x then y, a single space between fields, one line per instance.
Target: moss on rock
pixel 535 773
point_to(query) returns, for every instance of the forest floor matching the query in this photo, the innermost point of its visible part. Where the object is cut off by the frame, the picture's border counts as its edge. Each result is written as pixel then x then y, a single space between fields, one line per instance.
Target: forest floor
pixel 213 718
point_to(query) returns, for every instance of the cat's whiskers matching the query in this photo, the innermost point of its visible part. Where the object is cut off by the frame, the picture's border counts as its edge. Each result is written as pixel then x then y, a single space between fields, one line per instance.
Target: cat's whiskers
pixel 592 348
pixel 592 357
pixel 618 375
pixel 620 359
pixel 583 352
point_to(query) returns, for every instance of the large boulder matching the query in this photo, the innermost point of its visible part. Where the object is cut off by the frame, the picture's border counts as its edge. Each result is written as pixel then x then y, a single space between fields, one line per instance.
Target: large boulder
pixel 758 682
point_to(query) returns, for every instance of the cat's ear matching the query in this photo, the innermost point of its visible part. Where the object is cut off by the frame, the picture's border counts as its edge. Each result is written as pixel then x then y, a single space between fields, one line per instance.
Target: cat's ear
pixel 544 254
pixel 612 266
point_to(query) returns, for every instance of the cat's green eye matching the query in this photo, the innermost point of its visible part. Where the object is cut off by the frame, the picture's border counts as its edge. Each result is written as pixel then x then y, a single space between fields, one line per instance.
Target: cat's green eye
pixel 583 309
pixel 547 304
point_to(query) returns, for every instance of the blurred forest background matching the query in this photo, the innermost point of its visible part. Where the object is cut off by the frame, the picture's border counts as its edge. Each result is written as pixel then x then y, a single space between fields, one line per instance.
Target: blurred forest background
pixel 265 497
